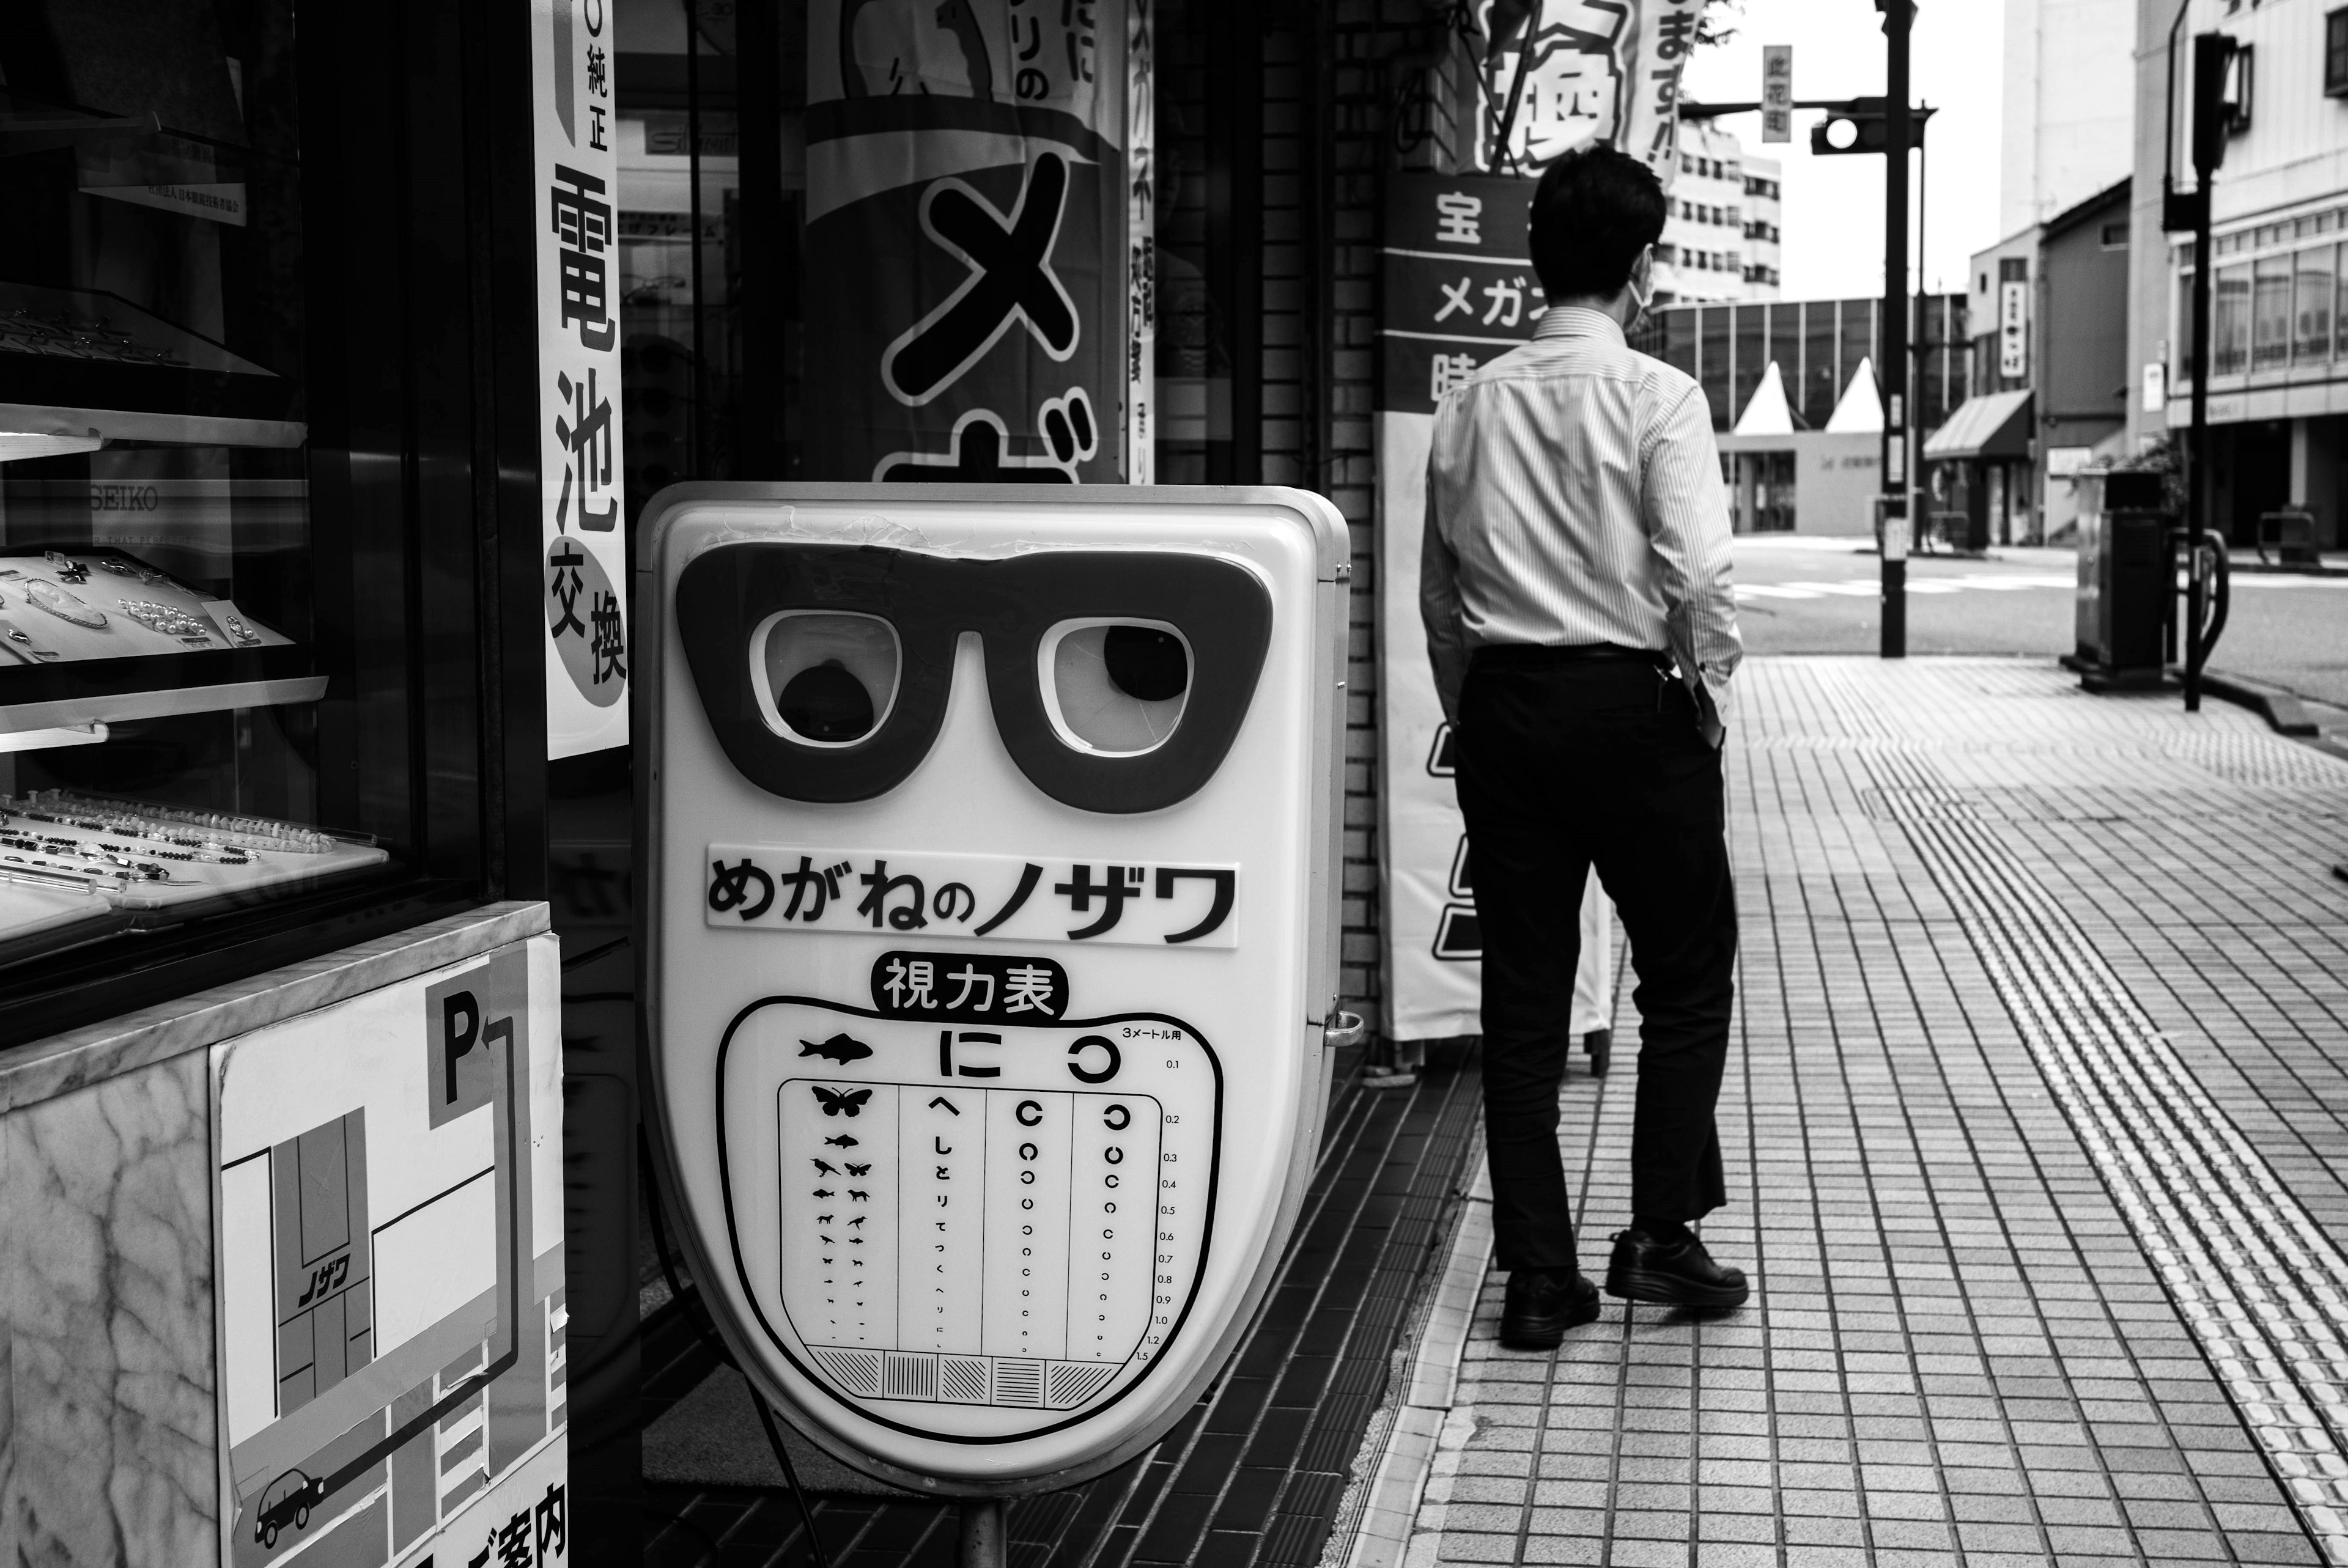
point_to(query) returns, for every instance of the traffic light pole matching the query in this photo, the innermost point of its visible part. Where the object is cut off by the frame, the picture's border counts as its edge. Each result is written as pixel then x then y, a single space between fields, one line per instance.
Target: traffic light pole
pixel 2212 52
pixel 1893 372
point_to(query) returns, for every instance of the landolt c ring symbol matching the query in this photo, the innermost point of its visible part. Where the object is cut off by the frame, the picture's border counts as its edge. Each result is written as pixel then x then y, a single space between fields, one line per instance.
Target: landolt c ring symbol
pixel 1010 279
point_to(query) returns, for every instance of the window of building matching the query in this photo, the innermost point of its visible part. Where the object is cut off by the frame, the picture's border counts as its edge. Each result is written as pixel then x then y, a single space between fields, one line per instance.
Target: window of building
pixel 2335 53
pixel 2229 322
pixel 2311 324
pixel 2271 314
pixel 2340 292
pixel 2237 94
pixel 2116 236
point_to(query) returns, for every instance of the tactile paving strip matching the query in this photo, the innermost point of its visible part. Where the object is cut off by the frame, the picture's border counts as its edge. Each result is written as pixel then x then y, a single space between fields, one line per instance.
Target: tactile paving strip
pixel 2262 1289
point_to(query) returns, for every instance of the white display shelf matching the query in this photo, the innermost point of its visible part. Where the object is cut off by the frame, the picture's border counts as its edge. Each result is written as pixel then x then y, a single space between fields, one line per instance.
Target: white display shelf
pixel 113 708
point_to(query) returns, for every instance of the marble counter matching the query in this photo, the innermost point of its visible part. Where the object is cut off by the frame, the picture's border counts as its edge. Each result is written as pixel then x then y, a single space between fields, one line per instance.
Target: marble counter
pixel 46 1069
pixel 109 1420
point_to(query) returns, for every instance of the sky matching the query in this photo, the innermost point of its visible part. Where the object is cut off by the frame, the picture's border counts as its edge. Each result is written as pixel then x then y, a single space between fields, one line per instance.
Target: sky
pixel 1834 206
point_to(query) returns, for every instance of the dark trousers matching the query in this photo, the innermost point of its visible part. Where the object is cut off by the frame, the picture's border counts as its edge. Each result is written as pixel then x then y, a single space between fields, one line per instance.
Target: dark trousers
pixel 1564 767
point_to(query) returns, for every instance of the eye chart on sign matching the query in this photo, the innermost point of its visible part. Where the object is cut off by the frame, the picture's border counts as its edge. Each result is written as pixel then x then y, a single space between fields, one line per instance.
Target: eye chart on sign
pixel 989 945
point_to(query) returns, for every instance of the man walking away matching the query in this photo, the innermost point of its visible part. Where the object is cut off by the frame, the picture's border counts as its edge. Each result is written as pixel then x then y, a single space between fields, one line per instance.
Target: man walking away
pixel 1575 586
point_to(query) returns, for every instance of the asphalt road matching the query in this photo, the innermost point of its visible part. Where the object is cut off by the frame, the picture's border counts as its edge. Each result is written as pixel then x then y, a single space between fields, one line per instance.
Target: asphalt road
pixel 1808 595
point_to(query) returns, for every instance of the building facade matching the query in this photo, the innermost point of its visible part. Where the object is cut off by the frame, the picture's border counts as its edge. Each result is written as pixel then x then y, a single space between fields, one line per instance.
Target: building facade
pixel 2067 106
pixel 2277 368
pixel 1795 395
pixel 1721 241
pixel 1765 207
pixel 1817 346
pixel 2049 309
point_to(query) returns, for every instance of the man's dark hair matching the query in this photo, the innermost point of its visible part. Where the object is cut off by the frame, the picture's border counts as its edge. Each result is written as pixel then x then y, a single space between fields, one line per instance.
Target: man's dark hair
pixel 1593 211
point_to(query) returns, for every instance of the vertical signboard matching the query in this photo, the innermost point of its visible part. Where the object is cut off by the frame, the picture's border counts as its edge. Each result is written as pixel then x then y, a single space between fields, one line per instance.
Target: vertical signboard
pixel 1593 70
pixel 1460 291
pixel 2014 328
pixel 1777 92
pixel 1141 243
pixel 966 241
pixel 576 193
pixel 991 935
pixel 388 1251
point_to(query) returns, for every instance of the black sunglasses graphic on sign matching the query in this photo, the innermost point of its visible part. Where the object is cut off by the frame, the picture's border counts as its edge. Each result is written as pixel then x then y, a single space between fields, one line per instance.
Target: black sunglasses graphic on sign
pixel 1117 679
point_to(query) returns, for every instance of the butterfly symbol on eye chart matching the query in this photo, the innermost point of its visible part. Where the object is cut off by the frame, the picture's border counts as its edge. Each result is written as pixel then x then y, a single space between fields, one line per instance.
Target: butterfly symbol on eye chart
pixel 857 1170
pixel 842 1101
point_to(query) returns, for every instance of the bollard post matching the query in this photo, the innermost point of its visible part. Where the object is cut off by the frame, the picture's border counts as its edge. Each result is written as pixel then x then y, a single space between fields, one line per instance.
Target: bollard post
pixel 984 1544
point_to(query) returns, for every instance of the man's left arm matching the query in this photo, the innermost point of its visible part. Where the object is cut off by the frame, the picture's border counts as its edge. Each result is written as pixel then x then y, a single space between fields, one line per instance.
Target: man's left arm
pixel 1686 518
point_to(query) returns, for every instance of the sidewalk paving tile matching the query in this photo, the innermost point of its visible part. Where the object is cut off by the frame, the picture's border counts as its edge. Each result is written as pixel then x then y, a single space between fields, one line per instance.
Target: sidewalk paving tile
pixel 2025 977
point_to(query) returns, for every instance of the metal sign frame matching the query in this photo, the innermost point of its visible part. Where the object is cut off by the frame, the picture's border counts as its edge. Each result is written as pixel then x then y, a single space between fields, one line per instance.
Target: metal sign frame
pixel 1147 1403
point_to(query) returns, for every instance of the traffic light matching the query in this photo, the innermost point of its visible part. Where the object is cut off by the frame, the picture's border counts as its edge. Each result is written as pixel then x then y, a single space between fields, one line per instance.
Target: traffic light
pixel 1864 125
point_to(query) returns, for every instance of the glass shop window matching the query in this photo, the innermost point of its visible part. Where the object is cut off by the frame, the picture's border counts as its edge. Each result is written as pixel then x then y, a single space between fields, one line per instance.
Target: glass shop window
pixel 2311 306
pixel 167 632
pixel 2270 328
pixel 2230 317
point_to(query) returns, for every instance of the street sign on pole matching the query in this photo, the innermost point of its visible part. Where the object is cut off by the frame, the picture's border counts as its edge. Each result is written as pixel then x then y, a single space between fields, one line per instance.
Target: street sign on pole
pixel 1777 92
pixel 989 934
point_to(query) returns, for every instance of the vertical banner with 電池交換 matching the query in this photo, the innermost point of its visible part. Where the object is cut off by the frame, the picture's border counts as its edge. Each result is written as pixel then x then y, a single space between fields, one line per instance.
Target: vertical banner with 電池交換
pixel 584 564
pixel 966 301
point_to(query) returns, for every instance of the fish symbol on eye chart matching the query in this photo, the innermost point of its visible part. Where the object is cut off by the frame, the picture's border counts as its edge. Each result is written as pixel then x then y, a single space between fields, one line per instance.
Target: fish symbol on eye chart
pixel 841 1048
pixel 842 1142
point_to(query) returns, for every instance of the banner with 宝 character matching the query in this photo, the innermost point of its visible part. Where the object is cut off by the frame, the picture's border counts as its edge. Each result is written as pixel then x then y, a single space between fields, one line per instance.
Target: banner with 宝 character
pixel 584 554
pixel 1460 291
pixel 967 301
pixel 1591 70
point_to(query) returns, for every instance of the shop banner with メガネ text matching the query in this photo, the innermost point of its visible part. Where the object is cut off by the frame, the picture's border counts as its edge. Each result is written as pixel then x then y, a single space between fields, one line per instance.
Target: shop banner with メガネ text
pixel 966 294
pixel 576 193
pixel 1459 292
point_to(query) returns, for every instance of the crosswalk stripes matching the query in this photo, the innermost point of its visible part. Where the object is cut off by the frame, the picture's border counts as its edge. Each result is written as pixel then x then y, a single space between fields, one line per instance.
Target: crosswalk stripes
pixel 1869 587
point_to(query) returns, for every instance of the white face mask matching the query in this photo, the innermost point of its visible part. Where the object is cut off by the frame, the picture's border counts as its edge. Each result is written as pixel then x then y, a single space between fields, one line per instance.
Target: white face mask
pixel 1638 296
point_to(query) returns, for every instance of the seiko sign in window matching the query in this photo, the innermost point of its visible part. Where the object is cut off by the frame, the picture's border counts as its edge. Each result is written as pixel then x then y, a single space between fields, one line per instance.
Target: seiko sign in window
pixel 991 940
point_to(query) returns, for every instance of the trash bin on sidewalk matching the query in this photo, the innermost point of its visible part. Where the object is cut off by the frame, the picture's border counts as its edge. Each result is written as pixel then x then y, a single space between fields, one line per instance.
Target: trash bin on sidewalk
pixel 2124 572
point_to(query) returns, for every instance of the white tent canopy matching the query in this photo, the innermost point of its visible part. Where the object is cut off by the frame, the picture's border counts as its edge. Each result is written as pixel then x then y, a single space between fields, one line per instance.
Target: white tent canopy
pixel 1767 412
pixel 1860 412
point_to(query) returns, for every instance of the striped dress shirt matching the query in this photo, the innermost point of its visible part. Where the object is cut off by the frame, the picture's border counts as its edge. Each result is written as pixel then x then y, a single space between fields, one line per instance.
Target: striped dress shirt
pixel 1574 497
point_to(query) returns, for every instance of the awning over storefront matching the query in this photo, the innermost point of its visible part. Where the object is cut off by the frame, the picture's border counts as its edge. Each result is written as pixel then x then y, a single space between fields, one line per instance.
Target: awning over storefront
pixel 1991 425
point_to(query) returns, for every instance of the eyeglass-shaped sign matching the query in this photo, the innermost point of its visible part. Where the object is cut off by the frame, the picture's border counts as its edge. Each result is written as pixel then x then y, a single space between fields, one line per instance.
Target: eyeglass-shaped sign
pixel 1116 680
pixel 989 944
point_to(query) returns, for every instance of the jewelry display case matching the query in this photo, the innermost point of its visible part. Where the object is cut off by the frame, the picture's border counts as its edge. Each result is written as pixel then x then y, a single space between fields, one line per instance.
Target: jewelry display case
pixel 256 440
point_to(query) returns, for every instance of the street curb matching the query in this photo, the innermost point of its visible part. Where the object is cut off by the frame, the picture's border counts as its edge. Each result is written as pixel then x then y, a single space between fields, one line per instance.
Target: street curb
pixel 2281 710
pixel 1399 1452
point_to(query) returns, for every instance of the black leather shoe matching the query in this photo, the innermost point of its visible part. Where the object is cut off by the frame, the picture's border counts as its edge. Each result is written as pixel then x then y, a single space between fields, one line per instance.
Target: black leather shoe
pixel 1542 1304
pixel 1600 1045
pixel 1672 1272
